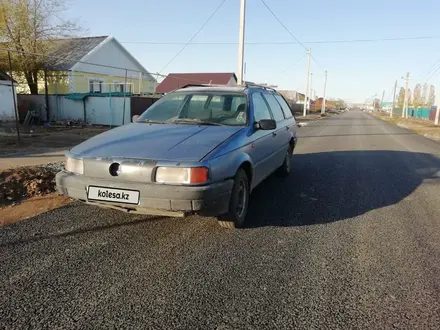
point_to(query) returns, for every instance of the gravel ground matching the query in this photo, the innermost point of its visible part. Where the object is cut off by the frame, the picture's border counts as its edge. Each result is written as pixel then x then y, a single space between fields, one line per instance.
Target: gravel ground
pixel 351 240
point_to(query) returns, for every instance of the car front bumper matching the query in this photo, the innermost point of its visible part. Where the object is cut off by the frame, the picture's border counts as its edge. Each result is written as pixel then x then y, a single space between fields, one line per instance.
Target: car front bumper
pixel 158 199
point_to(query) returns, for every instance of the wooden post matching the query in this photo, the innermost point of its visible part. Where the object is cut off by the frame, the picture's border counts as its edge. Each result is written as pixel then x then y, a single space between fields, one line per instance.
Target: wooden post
pixel 85 112
pixel 46 96
pixel 17 126
pixel 125 93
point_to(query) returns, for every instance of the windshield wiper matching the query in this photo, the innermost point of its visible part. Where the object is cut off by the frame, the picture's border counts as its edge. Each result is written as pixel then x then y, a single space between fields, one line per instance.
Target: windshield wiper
pixel 153 121
pixel 196 122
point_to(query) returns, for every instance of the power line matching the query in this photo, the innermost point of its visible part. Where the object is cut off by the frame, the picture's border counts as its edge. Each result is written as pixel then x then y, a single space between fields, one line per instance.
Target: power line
pixel 434 71
pixel 288 31
pixel 99 65
pixel 195 35
pixel 284 42
pixel 281 23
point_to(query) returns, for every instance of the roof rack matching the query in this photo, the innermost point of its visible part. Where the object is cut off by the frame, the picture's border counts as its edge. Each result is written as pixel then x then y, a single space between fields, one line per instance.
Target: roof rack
pixel 202 85
pixel 249 84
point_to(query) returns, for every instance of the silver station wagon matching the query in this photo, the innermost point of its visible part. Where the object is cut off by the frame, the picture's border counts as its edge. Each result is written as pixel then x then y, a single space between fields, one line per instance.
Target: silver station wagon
pixel 199 149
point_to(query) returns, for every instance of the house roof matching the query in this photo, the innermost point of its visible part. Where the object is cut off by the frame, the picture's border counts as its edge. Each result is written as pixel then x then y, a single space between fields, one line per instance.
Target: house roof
pixel 69 51
pixel 177 80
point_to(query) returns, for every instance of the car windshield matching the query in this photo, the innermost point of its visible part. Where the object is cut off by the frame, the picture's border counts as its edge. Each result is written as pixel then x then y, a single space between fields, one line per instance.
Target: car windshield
pixel 198 108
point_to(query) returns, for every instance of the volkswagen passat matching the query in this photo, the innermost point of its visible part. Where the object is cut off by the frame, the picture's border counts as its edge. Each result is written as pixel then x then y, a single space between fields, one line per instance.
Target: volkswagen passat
pixel 199 149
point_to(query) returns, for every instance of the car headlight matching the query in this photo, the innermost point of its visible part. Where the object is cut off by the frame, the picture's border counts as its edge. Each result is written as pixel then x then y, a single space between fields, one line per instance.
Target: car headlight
pixel 74 165
pixel 182 175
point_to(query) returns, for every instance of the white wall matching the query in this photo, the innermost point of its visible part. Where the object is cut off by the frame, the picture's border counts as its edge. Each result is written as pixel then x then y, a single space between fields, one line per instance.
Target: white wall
pixel 99 110
pixel 7 111
pixel 107 111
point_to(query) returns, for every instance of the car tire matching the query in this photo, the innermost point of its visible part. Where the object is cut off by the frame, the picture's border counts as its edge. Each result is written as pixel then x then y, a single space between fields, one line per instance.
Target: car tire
pixel 286 168
pixel 238 204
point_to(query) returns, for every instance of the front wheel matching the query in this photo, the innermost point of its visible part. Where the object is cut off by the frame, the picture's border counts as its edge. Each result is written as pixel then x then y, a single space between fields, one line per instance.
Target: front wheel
pixel 238 203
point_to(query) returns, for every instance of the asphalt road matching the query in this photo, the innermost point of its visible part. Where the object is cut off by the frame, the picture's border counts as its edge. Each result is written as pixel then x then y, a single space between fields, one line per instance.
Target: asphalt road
pixel 350 241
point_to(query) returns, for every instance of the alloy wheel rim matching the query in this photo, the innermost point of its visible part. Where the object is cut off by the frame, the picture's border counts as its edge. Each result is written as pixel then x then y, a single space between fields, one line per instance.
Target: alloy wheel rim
pixel 241 198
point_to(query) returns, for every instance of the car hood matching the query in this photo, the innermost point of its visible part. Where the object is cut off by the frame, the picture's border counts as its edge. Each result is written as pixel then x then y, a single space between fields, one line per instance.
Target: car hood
pixel 156 141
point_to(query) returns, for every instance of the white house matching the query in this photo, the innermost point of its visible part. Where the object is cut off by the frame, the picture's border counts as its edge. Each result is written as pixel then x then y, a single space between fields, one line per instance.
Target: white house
pixel 92 65
pixel 7 109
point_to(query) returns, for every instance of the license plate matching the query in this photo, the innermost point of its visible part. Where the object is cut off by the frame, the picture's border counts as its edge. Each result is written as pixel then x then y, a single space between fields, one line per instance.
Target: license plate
pixel 113 195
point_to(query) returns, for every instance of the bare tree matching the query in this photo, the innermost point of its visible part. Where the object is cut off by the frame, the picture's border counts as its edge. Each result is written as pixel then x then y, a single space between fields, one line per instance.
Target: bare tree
pixel 401 97
pixel 417 96
pixel 425 94
pixel 29 29
pixel 431 99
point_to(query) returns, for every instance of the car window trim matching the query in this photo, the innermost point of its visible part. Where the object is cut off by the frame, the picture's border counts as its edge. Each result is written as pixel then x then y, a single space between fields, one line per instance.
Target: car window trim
pixel 291 112
pixel 267 102
pixel 268 108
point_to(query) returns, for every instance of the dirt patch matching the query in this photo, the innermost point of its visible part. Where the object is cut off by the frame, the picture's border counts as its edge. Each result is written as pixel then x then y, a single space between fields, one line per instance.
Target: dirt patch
pixel 39 138
pixel 27 181
pixel 420 126
pixel 31 207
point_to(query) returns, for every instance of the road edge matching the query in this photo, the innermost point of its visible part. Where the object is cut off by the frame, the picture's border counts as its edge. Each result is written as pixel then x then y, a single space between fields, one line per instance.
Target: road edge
pixel 427 136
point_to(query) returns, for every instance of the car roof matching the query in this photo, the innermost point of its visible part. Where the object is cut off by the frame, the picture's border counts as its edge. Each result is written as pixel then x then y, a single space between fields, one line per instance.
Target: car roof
pixel 219 88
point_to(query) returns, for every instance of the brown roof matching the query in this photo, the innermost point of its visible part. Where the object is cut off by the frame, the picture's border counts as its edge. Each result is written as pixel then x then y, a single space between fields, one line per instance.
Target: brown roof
pixel 177 80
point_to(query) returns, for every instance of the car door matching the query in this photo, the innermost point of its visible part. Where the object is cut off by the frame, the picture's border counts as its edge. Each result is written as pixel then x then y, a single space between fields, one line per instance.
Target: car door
pixel 263 150
pixel 282 136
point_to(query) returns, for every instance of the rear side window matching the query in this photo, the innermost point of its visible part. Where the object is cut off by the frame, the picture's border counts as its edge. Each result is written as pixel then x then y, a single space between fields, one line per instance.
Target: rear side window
pixel 261 111
pixel 286 109
pixel 277 112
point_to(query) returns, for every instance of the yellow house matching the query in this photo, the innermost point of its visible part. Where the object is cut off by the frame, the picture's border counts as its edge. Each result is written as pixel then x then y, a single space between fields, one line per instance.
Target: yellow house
pixel 95 65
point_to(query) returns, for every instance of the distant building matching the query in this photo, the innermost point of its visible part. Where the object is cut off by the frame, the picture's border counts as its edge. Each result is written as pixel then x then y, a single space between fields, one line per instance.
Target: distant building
pixel 291 95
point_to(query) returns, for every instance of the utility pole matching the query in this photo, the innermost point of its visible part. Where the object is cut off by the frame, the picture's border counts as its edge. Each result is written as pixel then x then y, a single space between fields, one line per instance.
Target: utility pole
pixel 310 93
pixel 394 99
pixel 245 70
pixel 405 101
pixel 437 115
pixel 381 102
pixel 323 99
pixel 241 41
pixel 374 101
pixel 309 52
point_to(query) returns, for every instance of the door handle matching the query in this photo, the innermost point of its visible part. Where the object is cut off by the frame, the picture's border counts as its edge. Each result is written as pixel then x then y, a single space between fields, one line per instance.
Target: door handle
pixel 287 128
pixel 274 134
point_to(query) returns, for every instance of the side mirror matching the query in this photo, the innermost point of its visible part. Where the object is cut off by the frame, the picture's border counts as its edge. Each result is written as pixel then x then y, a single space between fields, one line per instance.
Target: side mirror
pixel 134 118
pixel 266 124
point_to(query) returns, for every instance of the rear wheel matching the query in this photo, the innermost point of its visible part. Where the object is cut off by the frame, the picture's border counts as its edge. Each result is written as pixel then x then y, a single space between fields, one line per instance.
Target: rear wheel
pixel 238 203
pixel 286 168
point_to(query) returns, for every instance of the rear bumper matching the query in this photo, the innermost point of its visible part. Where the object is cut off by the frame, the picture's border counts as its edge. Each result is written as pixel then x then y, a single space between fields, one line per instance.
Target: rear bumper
pixel 211 200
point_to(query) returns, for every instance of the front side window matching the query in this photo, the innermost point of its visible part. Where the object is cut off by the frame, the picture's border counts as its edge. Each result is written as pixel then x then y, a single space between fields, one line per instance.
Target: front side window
pixel 199 108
